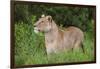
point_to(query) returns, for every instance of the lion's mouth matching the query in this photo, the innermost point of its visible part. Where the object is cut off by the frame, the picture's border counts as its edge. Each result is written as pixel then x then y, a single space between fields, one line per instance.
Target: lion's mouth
pixel 36 30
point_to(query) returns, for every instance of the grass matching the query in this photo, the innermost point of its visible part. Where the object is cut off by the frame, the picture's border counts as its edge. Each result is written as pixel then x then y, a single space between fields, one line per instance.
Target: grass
pixel 30 48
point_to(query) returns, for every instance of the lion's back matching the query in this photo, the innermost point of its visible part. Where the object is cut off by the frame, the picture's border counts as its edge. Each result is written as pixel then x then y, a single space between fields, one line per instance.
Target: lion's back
pixel 72 36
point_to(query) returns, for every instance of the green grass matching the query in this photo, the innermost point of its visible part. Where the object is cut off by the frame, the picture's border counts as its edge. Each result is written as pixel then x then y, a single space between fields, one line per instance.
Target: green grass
pixel 30 48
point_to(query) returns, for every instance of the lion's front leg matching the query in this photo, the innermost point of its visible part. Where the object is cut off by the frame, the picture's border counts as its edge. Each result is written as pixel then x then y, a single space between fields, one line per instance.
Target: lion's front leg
pixel 51 48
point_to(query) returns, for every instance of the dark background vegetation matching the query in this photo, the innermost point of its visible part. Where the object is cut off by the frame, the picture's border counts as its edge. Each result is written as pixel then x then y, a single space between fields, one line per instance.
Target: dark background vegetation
pixel 63 15
pixel 30 47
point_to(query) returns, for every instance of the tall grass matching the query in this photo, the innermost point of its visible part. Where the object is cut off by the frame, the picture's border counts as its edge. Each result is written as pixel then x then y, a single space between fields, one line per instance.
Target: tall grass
pixel 30 48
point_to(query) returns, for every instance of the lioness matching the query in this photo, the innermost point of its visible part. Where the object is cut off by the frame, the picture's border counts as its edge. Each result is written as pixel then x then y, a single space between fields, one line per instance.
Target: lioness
pixel 57 40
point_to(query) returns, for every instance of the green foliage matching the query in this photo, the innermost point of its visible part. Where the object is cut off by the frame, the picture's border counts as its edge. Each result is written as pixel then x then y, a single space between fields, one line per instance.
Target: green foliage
pixel 27 43
pixel 63 15
pixel 22 13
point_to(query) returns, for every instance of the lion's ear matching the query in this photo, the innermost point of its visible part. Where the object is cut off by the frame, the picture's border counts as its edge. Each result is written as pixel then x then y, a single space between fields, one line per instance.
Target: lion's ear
pixel 42 15
pixel 49 18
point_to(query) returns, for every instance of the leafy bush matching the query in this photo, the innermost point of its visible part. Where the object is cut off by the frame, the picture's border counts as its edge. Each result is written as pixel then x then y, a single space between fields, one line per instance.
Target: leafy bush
pixel 63 15
pixel 27 44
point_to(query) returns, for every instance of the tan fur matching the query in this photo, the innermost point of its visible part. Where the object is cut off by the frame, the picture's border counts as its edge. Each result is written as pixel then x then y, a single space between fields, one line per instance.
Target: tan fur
pixel 56 39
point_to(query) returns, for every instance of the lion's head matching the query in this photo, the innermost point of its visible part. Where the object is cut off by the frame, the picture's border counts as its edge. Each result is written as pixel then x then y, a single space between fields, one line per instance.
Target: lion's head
pixel 43 24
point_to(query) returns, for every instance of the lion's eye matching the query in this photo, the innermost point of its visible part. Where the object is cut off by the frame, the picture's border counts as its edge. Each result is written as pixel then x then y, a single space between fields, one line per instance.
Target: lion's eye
pixel 42 21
